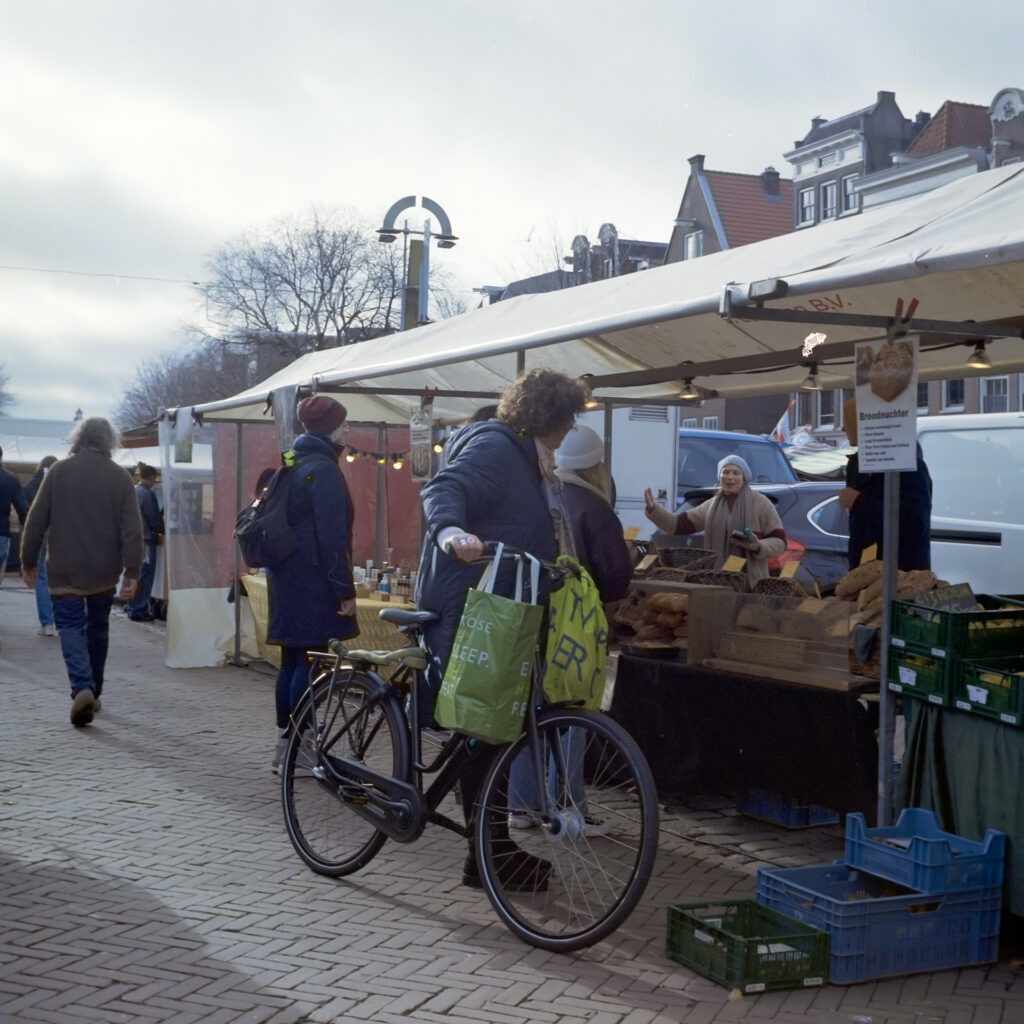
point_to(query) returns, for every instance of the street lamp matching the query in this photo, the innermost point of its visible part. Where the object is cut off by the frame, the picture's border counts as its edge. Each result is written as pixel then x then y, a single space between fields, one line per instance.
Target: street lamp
pixel 416 253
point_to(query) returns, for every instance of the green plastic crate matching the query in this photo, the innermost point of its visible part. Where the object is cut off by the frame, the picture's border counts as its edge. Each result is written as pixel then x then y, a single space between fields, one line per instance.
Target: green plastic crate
pixel 995 631
pixel 992 688
pixel 742 944
pixel 917 671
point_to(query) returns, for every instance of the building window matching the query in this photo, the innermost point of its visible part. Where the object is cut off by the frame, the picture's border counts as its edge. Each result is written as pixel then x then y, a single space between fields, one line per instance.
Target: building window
pixel 805 403
pixel 995 394
pixel 805 214
pixel 828 200
pixel 850 194
pixel 953 395
pixel 922 397
pixel 826 410
pixel 710 423
pixel 693 245
pixel 689 423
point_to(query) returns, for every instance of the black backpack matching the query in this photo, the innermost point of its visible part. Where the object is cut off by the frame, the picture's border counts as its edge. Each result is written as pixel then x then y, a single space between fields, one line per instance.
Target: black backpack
pixel 264 534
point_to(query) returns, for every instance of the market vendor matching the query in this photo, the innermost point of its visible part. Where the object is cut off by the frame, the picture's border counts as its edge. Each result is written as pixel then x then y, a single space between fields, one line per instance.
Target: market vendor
pixel 736 521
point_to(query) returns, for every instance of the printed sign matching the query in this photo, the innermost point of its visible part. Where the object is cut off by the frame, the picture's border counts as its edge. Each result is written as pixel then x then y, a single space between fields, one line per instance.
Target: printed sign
pixel 886 375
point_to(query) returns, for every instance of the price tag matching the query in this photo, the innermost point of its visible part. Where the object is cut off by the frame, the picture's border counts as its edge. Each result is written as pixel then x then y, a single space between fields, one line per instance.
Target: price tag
pixel 631 532
pixel 789 570
pixel 869 554
pixel 734 564
pixel 646 562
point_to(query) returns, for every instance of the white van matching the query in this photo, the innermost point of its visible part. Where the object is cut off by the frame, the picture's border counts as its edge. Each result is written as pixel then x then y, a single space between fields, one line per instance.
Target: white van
pixel 977 468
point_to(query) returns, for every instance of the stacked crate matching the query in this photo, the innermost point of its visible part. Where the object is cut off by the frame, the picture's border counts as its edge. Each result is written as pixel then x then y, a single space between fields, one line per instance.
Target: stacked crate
pixel 907 898
pixel 967 659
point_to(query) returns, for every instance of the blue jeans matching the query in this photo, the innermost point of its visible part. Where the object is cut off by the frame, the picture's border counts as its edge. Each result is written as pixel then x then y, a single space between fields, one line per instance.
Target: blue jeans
pixel 565 772
pixel 5 550
pixel 83 624
pixel 292 682
pixel 44 603
pixel 140 606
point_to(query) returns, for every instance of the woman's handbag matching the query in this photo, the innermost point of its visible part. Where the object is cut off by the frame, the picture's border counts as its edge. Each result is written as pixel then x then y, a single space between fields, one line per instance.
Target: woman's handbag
pixel 486 684
pixel 577 647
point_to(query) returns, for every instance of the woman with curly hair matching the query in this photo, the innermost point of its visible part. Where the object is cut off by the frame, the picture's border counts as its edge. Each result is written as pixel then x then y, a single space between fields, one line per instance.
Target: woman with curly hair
pixel 496 486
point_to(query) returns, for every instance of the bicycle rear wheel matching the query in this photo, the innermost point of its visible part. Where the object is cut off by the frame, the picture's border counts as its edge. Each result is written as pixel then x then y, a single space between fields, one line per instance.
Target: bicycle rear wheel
pixel 579 856
pixel 347 715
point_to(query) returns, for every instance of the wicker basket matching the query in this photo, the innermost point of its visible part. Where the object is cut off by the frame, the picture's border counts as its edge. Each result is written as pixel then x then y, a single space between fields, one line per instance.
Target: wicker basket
pixel 872 668
pixel 629 610
pixel 661 572
pixel 776 586
pixel 694 559
pixel 719 578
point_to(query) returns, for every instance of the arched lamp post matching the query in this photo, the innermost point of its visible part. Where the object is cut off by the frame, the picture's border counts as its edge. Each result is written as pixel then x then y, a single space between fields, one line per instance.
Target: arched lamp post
pixel 416 254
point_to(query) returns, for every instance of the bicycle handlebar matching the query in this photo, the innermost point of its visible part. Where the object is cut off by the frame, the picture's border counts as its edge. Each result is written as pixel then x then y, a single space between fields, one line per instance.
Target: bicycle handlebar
pixel 554 569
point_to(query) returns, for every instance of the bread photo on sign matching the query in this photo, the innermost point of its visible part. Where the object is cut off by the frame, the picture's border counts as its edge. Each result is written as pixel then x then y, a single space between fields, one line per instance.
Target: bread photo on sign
pixel 892 370
pixel 865 360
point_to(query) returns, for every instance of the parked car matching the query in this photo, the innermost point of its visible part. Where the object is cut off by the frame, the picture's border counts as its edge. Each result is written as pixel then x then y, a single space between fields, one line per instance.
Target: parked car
pixel 700 451
pixel 817 530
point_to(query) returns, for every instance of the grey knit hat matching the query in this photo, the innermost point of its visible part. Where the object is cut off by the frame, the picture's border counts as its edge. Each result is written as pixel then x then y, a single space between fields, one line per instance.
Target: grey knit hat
pixel 736 460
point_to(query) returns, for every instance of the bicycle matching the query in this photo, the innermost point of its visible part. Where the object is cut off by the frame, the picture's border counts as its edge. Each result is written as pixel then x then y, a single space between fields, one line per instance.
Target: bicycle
pixel 354 775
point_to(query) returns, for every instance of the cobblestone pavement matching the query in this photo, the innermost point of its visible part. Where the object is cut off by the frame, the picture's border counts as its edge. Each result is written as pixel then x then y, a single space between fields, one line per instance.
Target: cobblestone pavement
pixel 145 876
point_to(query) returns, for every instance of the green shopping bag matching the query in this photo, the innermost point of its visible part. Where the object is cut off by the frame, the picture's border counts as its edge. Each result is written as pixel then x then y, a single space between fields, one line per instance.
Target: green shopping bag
pixel 486 683
pixel 577 646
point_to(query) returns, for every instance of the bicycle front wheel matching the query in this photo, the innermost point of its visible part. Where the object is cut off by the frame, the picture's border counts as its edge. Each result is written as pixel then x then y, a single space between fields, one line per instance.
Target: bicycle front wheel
pixel 344 714
pixel 565 867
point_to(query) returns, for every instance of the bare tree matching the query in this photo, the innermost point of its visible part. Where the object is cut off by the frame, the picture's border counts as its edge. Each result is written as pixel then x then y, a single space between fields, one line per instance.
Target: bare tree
pixel 6 398
pixel 304 285
pixel 175 379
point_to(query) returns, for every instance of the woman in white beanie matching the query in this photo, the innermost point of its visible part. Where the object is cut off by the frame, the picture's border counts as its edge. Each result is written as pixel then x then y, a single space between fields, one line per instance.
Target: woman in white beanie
pixel 736 521
pixel 587 495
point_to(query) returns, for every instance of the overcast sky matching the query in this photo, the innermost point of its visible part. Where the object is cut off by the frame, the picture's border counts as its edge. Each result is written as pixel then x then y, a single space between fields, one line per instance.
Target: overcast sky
pixel 136 137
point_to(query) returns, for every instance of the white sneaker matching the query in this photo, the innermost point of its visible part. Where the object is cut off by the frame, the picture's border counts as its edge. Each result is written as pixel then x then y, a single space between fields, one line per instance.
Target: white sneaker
pixel 279 752
pixel 523 820
pixel 47 630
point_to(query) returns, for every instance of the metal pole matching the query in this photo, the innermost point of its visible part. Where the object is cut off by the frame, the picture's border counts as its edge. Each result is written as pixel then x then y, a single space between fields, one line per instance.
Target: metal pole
pixel 236 657
pixel 886 712
pixel 424 293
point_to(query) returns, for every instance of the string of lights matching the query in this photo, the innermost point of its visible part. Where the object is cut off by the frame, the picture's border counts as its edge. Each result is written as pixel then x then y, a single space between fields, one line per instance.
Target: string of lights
pixel 397 459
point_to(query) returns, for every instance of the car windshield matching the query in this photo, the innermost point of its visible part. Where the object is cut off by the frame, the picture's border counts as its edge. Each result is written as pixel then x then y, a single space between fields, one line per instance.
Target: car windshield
pixel 699 458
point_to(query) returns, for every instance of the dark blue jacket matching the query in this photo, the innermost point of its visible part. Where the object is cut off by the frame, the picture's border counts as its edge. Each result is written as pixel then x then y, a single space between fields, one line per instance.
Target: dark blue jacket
pixel 915 514
pixel 11 493
pixel 600 545
pixel 491 487
pixel 307 588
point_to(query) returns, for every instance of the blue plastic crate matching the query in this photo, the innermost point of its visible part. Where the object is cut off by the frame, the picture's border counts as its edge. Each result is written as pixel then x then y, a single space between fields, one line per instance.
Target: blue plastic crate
pixel 915 853
pixel 879 929
pixel 769 806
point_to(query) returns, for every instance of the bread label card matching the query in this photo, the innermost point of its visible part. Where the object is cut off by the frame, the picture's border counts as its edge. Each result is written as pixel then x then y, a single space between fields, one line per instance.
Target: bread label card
pixel 788 570
pixel 734 564
pixel 646 563
pixel 869 554
pixel 631 532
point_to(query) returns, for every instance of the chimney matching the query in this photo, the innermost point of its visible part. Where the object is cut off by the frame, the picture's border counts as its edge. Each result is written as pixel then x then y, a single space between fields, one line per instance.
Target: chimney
pixel 697 163
pixel 920 121
pixel 770 181
pixel 817 122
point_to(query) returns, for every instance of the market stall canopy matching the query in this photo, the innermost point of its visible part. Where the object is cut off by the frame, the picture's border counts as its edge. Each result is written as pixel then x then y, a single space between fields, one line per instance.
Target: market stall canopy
pixel 958 251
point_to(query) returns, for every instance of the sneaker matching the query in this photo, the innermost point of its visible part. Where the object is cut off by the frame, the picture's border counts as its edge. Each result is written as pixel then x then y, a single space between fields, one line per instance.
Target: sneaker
pixel 523 820
pixel 83 707
pixel 518 870
pixel 47 630
pixel 594 826
pixel 279 753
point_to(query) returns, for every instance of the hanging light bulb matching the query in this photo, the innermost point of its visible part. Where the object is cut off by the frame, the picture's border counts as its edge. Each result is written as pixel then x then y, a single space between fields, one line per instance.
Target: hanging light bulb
pixel 811 381
pixel 380 459
pixel 979 357
pixel 396 462
pixel 351 455
pixel 438 447
pixel 689 393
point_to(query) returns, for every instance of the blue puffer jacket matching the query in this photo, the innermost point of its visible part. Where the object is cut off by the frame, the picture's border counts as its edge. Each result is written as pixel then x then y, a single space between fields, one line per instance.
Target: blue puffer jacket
pixel 491 487
pixel 306 590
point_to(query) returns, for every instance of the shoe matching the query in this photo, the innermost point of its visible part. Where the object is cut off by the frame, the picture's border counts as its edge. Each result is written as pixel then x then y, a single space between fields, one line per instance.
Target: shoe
pixel 83 707
pixel 141 617
pixel 522 820
pixel 518 871
pixel 97 707
pixel 594 826
pixel 279 753
pixel 47 629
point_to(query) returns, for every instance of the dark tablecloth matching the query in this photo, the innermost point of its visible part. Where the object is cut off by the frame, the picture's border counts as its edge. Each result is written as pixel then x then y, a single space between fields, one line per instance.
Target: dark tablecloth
pixel 709 731
pixel 968 770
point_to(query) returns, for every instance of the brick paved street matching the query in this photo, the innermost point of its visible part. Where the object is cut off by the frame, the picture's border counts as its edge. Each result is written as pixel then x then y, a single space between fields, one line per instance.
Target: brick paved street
pixel 145 876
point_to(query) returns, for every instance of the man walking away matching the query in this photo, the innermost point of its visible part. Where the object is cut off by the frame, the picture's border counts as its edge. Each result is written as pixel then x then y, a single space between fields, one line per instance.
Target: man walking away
pixel 152 530
pixel 11 493
pixel 87 514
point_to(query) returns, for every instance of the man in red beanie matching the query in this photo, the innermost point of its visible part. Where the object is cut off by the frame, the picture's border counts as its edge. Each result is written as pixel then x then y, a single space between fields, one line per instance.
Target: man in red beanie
pixel 312 595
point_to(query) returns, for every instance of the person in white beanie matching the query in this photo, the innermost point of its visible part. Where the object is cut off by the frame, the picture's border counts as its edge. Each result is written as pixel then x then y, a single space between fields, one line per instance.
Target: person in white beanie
pixel 587 492
pixel 736 521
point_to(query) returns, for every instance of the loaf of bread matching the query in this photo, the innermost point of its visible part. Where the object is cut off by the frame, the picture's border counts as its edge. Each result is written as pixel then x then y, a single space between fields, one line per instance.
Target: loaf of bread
pixel 857 579
pixel 669 602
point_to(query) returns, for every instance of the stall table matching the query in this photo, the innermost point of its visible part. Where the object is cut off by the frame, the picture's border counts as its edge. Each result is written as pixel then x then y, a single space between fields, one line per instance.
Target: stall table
pixel 374 632
pixel 968 770
pixel 706 730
